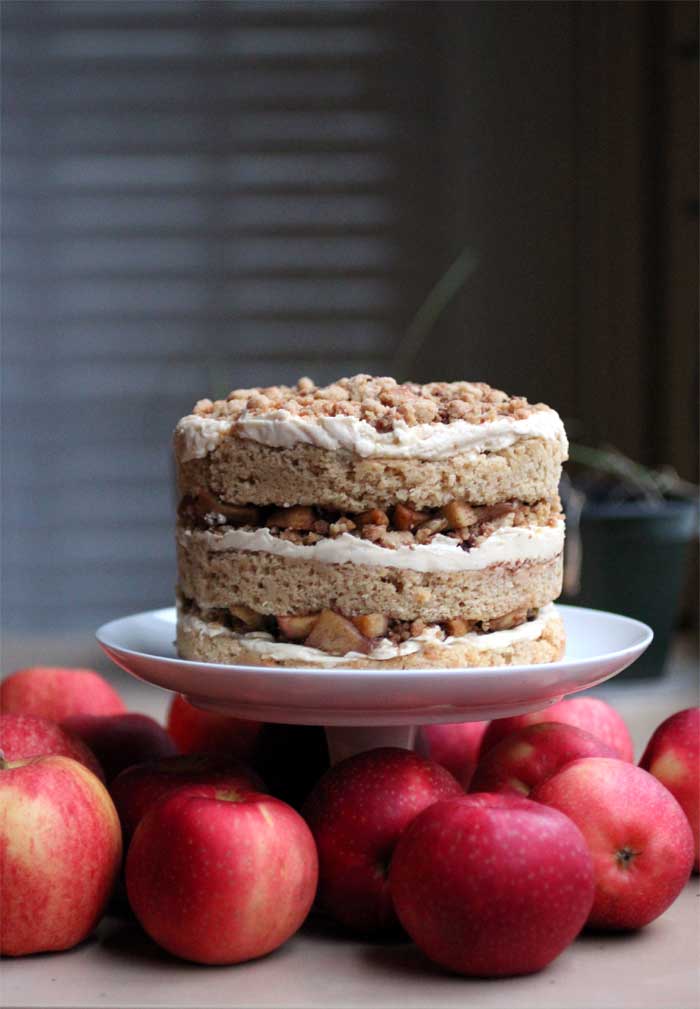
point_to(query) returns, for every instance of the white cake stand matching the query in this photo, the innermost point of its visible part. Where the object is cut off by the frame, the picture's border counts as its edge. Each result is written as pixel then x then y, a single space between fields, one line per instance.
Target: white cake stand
pixel 362 709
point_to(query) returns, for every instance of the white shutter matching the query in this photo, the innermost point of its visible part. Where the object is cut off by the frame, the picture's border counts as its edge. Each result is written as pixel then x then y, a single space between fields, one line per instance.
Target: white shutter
pixel 195 196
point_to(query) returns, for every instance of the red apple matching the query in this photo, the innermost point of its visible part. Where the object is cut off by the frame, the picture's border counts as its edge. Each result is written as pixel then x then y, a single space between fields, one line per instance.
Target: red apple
pixel 60 850
pixel 24 736
pixel 197 731
pixel 531 755
pixel 589 713
pixel 455 746
pixel 221 875
pixel 138 788
pixel 673 756
pixel 56 693
pixel 121 740
pixel 491 885
pixel 638 836
pixel 356 813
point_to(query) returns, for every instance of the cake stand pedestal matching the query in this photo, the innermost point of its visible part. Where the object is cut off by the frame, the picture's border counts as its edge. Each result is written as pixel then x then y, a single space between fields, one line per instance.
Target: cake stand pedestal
pixel 365 708
pixel 346 741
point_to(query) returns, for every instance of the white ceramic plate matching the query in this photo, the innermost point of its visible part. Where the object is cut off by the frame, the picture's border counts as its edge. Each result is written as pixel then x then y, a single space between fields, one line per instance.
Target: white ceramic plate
pixel 599 645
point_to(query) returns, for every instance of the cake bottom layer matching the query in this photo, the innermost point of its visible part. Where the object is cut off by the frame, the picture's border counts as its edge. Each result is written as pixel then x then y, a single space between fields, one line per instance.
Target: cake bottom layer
pixel 539 640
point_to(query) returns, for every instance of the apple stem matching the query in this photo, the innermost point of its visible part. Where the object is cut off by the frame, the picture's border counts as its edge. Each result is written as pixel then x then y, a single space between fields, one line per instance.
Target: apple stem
pixel 4 764
pixel 625 857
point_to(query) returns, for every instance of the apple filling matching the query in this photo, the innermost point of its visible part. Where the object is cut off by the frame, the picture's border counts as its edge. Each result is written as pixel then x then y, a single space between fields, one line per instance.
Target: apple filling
pixel 336 634
pixel 396 527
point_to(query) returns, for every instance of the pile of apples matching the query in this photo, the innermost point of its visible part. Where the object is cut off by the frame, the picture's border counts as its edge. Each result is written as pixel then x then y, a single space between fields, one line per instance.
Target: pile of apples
pixel 492 847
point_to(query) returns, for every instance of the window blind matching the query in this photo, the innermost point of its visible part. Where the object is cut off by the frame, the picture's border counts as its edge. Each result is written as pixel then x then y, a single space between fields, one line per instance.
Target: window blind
pixel 195 196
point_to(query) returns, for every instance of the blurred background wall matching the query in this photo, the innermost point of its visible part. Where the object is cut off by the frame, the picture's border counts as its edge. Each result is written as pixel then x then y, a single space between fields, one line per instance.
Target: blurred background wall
pixel 198 196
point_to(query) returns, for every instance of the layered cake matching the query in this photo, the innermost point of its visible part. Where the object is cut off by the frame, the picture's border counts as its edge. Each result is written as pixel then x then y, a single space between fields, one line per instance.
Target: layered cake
pixel 370 524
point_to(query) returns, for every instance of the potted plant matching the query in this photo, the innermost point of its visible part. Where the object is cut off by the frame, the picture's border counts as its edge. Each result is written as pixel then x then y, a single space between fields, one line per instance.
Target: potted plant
pixel 628 534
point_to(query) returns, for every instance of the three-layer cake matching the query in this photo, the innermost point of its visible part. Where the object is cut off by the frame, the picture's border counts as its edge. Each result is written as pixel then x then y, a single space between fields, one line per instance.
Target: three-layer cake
pixel 369 524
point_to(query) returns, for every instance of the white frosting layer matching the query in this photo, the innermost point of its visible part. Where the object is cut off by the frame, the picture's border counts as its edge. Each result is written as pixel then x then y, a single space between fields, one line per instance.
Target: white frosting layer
pixel 281 429
pixel 264 644
pixel 509 545
pixel 201 435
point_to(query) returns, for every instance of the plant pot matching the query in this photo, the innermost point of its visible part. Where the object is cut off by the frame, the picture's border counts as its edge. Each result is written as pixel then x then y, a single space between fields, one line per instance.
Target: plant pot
pixel 633 561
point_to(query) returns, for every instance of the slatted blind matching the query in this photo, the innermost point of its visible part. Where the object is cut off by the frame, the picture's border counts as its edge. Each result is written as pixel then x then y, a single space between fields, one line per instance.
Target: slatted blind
pixel 195 196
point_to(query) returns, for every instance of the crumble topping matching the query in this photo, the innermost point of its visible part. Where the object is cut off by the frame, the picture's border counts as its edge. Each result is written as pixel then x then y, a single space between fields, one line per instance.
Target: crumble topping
pixel 381 402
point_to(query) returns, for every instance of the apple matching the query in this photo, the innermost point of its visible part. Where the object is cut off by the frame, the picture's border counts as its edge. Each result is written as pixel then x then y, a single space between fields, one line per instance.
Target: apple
pixel 197 731
pixel 220 875
pixel 455 746
pixel 530 755
pixel 492 885
pixel 135 790
pixel 356 813
pixel 589 713
pixel 638 836
pixel 24 736
pixel 673 756
pixel 56 693
pixel 60 851
pixel 121 740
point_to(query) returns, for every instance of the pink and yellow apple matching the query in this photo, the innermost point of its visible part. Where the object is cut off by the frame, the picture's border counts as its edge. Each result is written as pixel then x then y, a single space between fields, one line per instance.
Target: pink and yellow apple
pixel 197 731
pixel 121 740
pixel 638 836
pixel 530 755
pixel 356 813
pixel 589 713
pixel 56 693
pixel 60 851
pixel 24 736
pixel 491 885
pixel 455 746
pixel 138 788
pixel 673 756
pixel 221 875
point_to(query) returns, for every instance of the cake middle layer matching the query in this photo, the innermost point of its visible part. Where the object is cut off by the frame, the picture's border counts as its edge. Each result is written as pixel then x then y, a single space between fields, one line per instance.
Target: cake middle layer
pixel 516 567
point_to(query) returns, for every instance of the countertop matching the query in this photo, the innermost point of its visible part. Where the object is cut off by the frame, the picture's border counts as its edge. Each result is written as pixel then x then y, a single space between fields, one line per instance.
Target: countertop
pixel 655 968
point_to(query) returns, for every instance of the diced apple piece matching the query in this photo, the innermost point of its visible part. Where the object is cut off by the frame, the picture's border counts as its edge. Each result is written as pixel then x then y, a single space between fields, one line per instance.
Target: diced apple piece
pixel 431 528
pixel 456 627
pixel 240 515
pixel 252 620
pixel 489 513
pixel 373 517
pixel 297 628
pixel 459 515
pixel 206 503
pixel 372 625
pixel 406 518
pixel 507 621
pixel 299 517
pixel 336 635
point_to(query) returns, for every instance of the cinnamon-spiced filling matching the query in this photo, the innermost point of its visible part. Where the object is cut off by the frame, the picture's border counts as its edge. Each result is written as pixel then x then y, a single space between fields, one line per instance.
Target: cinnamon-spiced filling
pixel 338 634
pixel 398 526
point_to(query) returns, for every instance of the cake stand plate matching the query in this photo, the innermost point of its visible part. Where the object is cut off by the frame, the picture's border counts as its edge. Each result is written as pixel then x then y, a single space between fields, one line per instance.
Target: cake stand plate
pixel 366 708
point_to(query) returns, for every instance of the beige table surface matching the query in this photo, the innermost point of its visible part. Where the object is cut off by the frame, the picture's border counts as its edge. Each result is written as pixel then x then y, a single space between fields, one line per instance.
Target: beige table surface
pixel 656 968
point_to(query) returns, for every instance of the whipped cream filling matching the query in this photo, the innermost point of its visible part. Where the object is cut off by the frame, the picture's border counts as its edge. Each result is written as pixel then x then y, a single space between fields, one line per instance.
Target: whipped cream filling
pixel 509 545
pixel 264 644
pixel 282 429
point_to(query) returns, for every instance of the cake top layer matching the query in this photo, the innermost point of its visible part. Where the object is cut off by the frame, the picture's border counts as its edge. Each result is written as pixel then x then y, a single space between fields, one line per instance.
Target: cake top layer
pixel 382 403
pixel 368 417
